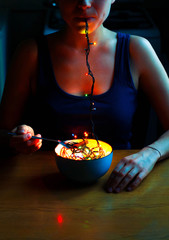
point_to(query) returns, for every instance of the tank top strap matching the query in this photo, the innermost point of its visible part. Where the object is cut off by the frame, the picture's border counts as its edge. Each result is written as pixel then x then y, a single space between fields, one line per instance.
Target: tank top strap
pixel 122 71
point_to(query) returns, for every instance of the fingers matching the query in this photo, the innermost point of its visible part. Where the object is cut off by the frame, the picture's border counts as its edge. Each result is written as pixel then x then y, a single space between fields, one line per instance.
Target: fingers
pixel 20 139
pixel 23 129
pixel 136 182
pixel 116 176
pixel 34 144
pixel 128 174
pixel 23 141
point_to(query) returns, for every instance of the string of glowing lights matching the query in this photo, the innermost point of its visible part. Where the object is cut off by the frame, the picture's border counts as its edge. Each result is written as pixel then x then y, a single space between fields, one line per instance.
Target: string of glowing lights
pixel 92 108
pixel 81 151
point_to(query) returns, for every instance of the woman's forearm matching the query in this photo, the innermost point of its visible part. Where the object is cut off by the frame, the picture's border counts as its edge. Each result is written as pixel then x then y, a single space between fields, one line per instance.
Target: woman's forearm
pixel 162 146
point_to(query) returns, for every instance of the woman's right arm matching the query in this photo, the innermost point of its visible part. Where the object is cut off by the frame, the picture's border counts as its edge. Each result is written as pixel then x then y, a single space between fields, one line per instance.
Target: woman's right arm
pixel 18 87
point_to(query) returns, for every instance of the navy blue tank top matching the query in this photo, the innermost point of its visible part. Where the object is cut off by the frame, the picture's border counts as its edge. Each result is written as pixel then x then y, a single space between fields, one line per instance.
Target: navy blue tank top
pixel 59 114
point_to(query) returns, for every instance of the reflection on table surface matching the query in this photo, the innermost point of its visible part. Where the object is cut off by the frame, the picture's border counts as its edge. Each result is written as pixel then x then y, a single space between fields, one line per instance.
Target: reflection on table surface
pixel 37 202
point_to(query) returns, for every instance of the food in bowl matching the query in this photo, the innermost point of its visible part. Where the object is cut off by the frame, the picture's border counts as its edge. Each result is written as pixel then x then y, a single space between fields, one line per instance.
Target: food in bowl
pixel 82 150
pixel 85 162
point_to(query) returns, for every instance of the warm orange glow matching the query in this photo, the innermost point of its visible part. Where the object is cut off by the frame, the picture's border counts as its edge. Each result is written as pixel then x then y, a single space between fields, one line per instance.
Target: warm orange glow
pixel 86 134
pixel 60 219
pixel 88 151
pixel 86 74
pixel 94 43
pixel 73 135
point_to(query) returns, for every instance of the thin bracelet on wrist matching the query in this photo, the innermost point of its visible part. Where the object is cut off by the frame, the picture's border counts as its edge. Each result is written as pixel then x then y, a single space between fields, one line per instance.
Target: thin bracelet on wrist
pixel 155 149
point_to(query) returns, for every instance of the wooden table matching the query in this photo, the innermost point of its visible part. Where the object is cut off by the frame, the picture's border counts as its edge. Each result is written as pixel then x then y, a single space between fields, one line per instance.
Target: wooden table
pixel 37 202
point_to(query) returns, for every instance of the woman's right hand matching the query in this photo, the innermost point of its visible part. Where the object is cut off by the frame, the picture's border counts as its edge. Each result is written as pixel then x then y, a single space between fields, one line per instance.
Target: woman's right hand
pixel 23 141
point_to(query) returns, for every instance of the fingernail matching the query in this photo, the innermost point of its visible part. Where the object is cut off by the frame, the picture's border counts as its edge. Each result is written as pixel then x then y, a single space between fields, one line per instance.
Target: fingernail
pixel 28 135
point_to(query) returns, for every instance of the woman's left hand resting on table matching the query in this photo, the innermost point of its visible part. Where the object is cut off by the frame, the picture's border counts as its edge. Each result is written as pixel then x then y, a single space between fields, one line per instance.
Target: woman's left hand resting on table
pixel 131 170
pixel 153 80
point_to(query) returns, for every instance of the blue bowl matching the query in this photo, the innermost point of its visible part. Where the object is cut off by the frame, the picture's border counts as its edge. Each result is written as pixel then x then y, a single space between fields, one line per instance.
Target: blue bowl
pixel 85 171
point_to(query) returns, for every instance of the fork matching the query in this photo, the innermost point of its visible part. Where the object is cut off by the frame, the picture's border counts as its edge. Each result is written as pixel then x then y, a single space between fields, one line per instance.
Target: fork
pixel 67 145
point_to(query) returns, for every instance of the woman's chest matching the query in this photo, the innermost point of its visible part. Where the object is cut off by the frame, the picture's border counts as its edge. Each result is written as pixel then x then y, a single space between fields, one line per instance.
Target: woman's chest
pixel 72 72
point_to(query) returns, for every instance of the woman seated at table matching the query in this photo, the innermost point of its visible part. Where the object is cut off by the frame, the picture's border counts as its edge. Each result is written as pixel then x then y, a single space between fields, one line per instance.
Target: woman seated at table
pixel 50 74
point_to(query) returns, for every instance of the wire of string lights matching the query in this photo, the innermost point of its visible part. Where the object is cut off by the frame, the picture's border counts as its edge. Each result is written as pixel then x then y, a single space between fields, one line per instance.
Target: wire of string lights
pixel 92 108
pixel 80 151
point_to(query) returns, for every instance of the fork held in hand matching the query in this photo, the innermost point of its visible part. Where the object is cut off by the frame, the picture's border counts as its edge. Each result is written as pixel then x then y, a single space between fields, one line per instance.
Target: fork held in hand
pixel 67 145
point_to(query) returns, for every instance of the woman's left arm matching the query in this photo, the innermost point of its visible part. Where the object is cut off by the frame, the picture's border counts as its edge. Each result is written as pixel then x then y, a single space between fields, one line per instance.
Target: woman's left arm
pixel 153 79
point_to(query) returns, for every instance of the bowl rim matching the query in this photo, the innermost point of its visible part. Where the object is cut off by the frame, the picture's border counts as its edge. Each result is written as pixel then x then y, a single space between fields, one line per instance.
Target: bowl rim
pixel 70 159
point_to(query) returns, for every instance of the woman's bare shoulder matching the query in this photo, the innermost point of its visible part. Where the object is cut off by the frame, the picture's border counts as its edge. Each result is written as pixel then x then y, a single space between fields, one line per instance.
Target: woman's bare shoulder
pixel 140 46
pixel 153 78
pixel 143 55
pixel 141 50
pixel 21 71
pixel 27 48
pixel 24 61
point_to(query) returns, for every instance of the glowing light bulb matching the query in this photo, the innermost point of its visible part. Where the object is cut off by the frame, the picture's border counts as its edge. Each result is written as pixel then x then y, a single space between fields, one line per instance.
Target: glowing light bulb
pixel 93 43
pixel 86 74
pixel 74 135
pixel 86 95
pixel 86 134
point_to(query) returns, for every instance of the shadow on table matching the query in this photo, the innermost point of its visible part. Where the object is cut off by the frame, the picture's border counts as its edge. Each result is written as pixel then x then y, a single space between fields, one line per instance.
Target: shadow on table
pixel 57 184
